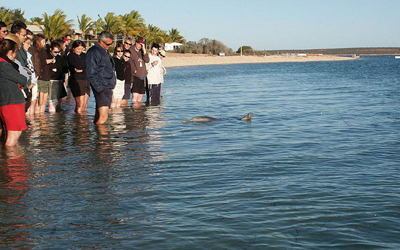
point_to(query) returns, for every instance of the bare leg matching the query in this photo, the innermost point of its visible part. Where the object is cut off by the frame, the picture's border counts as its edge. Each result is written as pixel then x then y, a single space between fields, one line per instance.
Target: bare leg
pixel 42 101
pixel 113 103
pixel 85 102
pixel 118 102
pixel 32 107
pixel 12 138
pixel 52 108
pixel 124 103
pixel 101 115
pixel 137 98
pixel 80 103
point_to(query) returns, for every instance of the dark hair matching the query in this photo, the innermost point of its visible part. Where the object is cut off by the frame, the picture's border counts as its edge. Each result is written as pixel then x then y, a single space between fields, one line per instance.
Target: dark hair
pixel 8 45
pixel 67 35
pixel 55 44
pixel 155 45
pixel 17 27
pixel 127 51
pixel 76 44
pixel 2 24
pixel 36 39
pixel 29 33
pixel 119 45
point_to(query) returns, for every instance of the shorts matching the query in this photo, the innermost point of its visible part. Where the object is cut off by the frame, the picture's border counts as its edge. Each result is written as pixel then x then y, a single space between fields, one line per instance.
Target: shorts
pixel 154 92
pixel 13 117
pixel 43 86
pixel 79 87
pixel 57 91
pixel 103 98
pixel 138 85
pixel 128 89
pixel 119 89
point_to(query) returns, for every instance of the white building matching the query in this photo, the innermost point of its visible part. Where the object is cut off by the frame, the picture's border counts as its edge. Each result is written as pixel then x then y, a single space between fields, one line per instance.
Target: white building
pixel 35 29
pixel 172 46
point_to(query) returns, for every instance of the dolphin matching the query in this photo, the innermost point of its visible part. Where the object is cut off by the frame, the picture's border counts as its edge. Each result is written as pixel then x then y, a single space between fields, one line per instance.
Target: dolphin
pixel 203 119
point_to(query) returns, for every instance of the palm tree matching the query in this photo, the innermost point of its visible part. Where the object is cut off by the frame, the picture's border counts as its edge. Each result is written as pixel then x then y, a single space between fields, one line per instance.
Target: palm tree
pixel 176 37
pixel 154 34
pixel 36 20
pixel 85 24
pixel 112 23
pixel 133 23
pixel 98 25
pixel 5 16
pixel 55 26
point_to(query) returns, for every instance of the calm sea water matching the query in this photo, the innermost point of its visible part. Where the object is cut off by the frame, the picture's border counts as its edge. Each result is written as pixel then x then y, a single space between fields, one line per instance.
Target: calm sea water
pixel 317 167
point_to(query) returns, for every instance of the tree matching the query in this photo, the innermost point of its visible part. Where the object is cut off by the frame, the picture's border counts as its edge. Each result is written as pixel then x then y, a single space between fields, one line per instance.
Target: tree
pixel 6 16
pixel 36 20
pixel 55 26
pixel 98 25
pixel 245 49
pixel 132 23
pixel 18 14
pixel 112 23
pixel 154 34
pixel 205 46
pixel 85 24
pixel 176 37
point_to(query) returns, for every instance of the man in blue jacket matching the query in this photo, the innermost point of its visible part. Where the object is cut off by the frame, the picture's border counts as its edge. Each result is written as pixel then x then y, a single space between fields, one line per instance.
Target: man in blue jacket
pixel 100 71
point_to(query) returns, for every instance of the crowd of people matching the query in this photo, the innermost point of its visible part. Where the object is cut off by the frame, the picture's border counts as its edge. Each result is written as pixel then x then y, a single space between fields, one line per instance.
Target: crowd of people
pixel 36 74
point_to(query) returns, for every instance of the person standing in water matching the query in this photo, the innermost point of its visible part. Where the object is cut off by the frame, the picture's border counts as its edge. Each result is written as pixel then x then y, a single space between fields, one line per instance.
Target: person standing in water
pixel 100 71
pixel 139 58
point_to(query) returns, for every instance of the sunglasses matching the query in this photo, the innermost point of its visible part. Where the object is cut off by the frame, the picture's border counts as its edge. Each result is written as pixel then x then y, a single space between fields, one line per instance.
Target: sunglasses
pixel 56 51
pixel 119 51
pixel 127 56
pixel 108 44
pixel 130 44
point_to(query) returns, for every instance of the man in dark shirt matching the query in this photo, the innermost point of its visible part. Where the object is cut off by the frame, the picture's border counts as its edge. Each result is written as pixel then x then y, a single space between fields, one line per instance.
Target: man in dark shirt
pixel 100 72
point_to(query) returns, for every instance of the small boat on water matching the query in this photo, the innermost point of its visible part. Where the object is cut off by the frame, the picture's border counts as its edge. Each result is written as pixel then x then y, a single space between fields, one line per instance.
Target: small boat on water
pixel 397 57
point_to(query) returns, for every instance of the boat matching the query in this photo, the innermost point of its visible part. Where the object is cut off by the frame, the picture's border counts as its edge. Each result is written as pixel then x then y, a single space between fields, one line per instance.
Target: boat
pixel 397 57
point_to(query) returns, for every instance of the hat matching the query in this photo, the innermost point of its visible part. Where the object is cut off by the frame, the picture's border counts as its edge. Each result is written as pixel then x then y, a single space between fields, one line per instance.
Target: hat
pixel 141 40
pixel 162 53
pixel 13 38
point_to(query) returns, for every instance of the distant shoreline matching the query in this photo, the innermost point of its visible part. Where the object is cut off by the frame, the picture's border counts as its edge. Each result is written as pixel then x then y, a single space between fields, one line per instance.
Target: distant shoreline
pixel 182 60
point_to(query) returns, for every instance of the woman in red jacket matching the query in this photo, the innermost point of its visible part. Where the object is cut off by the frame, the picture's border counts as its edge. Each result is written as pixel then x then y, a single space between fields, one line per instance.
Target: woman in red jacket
pixel 12 101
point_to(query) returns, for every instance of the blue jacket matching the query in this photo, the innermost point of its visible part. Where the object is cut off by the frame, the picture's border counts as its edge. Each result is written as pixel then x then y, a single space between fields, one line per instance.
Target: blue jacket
pixel 9 80
pixel 100 70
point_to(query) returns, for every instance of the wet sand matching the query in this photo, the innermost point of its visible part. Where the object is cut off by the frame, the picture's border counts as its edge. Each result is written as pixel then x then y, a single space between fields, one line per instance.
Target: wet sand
pixel 181 60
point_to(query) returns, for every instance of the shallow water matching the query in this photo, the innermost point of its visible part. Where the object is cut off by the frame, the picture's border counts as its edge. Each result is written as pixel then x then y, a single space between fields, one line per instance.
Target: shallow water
pixel 316 168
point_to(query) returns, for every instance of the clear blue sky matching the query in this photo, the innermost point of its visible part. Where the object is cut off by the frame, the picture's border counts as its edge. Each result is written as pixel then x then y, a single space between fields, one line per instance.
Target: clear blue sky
pixel 261 24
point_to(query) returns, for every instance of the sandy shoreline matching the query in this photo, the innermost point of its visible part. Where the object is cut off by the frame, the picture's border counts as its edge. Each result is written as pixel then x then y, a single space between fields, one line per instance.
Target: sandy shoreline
pixel 181 60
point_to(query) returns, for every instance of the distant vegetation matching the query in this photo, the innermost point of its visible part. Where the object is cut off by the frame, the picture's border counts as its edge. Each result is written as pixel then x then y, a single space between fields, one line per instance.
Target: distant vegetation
pixel 245 50
pixel 342 51
pixel 205 46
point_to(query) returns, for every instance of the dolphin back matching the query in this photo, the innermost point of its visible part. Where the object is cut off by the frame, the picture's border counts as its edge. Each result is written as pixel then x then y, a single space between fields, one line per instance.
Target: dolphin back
pixel 247 117
pixel 200 119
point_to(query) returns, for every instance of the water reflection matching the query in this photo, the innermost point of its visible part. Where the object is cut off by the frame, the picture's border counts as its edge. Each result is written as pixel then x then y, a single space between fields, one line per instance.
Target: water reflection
pixel 14 176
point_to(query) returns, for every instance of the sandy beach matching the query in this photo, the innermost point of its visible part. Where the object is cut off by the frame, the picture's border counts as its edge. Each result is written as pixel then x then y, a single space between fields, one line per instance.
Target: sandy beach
pixel 181 60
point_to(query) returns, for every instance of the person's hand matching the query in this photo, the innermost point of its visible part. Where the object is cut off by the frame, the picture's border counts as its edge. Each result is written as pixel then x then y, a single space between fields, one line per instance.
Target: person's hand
pixel 155 63
pixel 30 86
pixel 144 48
pixel 78 70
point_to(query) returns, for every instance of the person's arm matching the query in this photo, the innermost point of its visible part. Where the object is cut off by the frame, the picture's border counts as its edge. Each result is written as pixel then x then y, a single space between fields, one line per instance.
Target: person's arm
pixel 92 70
pixel 13 75
pixel 146 57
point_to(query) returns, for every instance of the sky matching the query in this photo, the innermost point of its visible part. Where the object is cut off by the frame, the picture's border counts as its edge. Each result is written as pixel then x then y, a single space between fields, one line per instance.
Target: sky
pixel 261 24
